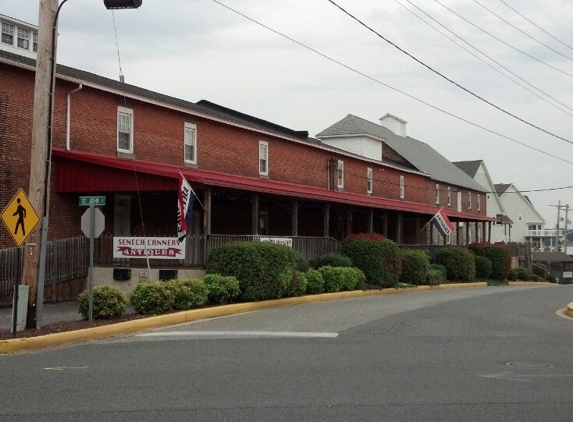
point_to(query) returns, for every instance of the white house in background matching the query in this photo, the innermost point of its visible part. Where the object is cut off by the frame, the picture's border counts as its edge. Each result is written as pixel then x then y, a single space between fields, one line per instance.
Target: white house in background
pixel 501 228
pixel 18 37
pixel 528 223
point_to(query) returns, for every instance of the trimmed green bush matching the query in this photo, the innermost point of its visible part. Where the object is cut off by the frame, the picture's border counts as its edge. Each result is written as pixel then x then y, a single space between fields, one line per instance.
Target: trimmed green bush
pixel 108 302
pixel 314 282
pixel 333 260
pixel 523 274
pixel 551 278
pixel 221 289
pixel 188 294
pixel 415 263
pixel 499 256
pixel 333 277
pixel 155 297
pixel 534 277
pixel 483 267
pixel 301 263
pixel 354 278
pixel 434 277
pixel 441 269
pixel 264 270
pixel 512 275
pixel 459 263
pixel 379 260
pixel 297 285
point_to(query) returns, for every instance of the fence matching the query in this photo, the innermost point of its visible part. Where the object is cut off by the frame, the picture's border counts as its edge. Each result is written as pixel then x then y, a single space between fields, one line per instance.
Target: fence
pixel 66 259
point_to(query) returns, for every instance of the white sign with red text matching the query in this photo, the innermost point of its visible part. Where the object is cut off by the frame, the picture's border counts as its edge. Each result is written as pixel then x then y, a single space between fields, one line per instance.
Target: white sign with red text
pixel 152 247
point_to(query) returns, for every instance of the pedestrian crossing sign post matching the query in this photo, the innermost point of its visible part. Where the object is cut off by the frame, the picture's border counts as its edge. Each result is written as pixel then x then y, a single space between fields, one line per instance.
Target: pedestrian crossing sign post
pixel 19 217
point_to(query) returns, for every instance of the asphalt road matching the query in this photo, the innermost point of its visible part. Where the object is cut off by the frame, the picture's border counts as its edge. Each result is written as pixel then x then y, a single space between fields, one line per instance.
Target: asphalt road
pixel 484 354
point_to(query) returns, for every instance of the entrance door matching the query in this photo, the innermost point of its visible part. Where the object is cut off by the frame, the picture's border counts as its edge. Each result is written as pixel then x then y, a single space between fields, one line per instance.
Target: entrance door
pixel 122 215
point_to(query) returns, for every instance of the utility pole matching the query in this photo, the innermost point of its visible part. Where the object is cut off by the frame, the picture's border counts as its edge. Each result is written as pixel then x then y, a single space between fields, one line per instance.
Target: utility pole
pixel 43 103
pixel 557 233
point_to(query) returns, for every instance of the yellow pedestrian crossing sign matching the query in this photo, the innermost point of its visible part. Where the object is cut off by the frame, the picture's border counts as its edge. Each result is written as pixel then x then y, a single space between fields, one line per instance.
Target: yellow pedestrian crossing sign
pixel 20 217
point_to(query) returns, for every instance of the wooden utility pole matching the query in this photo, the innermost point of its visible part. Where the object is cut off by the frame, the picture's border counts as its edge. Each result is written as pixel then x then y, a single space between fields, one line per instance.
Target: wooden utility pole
pixel 43 103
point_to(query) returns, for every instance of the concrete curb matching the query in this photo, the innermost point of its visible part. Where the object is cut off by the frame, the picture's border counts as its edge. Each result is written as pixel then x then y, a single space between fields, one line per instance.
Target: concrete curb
pixel 569 310
pixel 128 327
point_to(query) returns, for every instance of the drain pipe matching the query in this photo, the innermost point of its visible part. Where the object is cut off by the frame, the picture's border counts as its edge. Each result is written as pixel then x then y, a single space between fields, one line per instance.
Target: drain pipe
pixel 68 116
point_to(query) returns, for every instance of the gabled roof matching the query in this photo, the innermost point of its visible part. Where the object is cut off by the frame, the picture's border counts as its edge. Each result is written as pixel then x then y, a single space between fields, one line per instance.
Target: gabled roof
pixel 501 188
pixel 469 167
pixel 419 154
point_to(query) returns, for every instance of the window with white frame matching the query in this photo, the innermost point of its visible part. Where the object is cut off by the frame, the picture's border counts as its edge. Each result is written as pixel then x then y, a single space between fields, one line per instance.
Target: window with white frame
pixel 368 180
pixel 469 200
pixel 125 130
pixel 402 188
pixel 263 158
pixel 340 174
pixel 23 38
pixel 437 194
pixel 190 143
pixel 35 42
pixel 449 196
pixel 7 33
pixel 478 202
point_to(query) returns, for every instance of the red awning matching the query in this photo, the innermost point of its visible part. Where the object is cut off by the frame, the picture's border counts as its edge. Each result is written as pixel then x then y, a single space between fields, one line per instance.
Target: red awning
pixel 89 172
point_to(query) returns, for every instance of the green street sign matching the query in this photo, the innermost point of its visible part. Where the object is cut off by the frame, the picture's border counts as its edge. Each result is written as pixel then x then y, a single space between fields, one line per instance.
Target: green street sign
pixel 86 201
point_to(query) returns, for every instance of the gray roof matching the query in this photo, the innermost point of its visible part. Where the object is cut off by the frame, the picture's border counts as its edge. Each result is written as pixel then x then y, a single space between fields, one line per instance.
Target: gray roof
pixel 419 154
pixel 469 167
pixel 550 256
pixel 500 188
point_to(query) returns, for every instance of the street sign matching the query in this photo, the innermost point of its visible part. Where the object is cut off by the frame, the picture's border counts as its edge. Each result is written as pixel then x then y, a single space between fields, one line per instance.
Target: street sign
pixel 99 225
pixel 86 201
pixel 20 217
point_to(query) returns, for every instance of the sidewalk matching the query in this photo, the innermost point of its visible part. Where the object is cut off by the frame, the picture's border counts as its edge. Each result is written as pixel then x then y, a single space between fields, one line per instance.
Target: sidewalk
pixel 51 312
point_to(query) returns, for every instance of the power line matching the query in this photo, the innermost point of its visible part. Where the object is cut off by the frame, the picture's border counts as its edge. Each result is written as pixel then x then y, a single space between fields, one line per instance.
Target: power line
pixel 503 42
pixel 523 32
pixel 446 78
pixel 537 26
pixel 485 62
pixel 461 119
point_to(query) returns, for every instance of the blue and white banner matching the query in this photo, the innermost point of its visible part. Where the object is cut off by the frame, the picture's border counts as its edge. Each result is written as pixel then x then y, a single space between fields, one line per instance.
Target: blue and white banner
pixel 442 223
pixel 186 198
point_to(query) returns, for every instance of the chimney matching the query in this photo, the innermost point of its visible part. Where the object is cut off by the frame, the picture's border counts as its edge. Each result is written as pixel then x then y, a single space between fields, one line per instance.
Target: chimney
pixel 394 124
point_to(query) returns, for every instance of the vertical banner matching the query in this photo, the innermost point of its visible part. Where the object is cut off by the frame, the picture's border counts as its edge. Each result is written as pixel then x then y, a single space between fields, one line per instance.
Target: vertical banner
pixel 186 197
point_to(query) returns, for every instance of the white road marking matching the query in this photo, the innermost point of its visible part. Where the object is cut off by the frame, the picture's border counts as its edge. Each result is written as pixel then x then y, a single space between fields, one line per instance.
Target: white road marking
pixel 513 376
pixel 238 334
pixel 62 368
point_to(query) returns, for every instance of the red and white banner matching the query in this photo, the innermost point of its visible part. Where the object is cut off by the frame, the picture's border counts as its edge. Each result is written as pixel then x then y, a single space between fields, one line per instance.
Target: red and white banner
pixel 441 221
pixel 148 247
pixel 185 199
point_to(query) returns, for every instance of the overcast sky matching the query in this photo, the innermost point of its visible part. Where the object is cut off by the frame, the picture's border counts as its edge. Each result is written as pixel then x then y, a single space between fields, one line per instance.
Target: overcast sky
pixel 199 49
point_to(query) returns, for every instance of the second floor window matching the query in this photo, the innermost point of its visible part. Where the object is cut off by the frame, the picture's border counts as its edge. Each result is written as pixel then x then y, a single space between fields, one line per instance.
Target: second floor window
pixel 437 194
pixel 469 200
pixel 125 129
pixel 7 33
pixel 402 188
pixel 340 174
pixel 24 38
pixel 263 158
pixel 35 42
pixel 369 180
pixel 190 140
pixel 449 196
pixel 479 202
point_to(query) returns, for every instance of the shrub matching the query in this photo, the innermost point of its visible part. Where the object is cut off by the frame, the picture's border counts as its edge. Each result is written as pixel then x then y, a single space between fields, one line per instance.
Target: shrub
pixel 434 277
pixel 221 289
pixel 108 302
pixel 333 278
pixel 512 275
pixel 439 268
pixel 498 255
pixel 551 278
pixel 371 236
pixel 459 263
pixel 333 260
pixel 314 282
pixel 415 263
pixel 297 286
pixel 534 277
pixel 354 279
pixel 523 273
pixel 152 298
pixel 264 270
pixel 188 294
pixel 379 260
pixel 483 267
pixel 301 263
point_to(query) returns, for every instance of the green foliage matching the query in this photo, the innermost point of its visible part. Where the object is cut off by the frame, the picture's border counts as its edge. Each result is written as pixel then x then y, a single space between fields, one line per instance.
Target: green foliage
pixel 221 289
pixel 483 267
pixel 152 298
pixel 297 285
pixel 512 275
pixel 523 274
pixel 497 282
pixel 188 294
pixel 371 236
pixel 333 260
pixel 108 302
pixel 333 277
pixel 441 269
pixel 499 256
pixel 551 278
pixel 301 263
pixel 534 277
pixel 379 260
pixel 434 277
pixel 415 263
pixel 264 270
pixel 314 282
pixel 354 279
pixel 459 263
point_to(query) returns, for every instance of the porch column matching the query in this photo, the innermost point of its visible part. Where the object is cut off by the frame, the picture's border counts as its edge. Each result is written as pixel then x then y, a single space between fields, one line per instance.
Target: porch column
pixel 385 224
pixel 432 234
pixel 371 221
pixel 294 214
pixel 348 222
pixel 457 233
pixel 418 229
pixel 489 232
pixel 400 228
pixel 467 232
pixel 255 214
pixel 206 223
pixel 326 220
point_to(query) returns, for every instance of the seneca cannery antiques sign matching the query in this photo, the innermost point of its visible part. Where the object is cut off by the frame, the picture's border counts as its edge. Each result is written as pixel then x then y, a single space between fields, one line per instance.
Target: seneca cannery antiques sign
pixel 148 247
